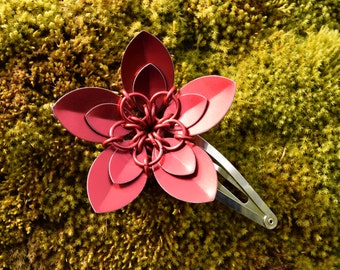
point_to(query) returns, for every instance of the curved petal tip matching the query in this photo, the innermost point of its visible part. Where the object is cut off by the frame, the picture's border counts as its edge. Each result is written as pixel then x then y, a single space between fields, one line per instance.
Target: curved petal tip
pixel 219 91
pixel 71 109
pixel 181 162
pixel 197 188
pixel 106 196
pixel 145 49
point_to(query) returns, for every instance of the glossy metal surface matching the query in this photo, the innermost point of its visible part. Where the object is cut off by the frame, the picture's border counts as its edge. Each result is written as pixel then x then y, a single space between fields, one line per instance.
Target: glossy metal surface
pixel 149 128
pixel 255 208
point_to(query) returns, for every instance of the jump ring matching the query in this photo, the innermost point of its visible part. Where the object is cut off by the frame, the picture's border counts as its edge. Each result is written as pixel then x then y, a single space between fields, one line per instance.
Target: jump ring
pixel 111 140
pixel 170 95
pixel 113 127
pixel 154 161
pixel 128 98
pixel 179 136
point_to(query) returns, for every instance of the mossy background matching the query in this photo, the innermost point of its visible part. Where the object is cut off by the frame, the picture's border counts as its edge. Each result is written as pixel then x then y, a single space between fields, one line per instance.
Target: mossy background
pixel 282 133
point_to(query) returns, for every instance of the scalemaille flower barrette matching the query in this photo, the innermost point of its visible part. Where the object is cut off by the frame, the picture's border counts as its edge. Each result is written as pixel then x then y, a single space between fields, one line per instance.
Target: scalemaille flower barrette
pixel 150 128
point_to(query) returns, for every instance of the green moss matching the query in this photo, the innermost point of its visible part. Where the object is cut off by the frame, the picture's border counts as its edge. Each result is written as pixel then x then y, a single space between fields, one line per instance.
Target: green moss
pixel 282 133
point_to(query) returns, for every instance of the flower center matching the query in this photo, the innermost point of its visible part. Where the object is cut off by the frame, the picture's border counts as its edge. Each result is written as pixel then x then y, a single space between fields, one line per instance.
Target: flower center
pixel 148 126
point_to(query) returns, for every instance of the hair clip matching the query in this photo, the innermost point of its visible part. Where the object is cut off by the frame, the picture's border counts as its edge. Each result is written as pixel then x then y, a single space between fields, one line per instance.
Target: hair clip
pixel 150 128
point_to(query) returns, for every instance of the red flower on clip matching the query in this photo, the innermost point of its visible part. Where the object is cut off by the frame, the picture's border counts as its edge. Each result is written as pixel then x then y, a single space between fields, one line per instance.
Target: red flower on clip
pixel 147 128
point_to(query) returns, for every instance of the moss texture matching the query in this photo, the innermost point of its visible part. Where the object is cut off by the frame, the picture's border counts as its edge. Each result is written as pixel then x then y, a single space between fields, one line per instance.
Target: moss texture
pixel 282 133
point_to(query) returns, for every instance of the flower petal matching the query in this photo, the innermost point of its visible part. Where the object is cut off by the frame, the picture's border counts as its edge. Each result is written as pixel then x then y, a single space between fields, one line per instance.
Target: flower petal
pixel 103 194
pixel 146 49
pixel 149 81
pixel 197 188
pixel 123 168
pixel 180 162
pixel 192 108
pixel 102 117
pixel 71 108
pixel 219 91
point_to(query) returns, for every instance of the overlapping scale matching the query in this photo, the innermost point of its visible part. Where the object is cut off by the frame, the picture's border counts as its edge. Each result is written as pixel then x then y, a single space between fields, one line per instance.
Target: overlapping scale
pixel 123 168
pixel 181 162
pixel 219 91
pixel 149 81
pixel 71 109
pixel 196 188
pixel 102 117
pixel 143 50
pixel 192 108
pixel 106 196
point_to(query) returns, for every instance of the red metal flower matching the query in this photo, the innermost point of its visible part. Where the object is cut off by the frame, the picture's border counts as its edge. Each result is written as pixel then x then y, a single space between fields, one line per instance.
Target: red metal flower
pixel 147 128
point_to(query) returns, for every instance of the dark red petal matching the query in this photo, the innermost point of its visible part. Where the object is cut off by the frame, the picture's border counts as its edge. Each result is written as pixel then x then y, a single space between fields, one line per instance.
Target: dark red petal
pixel 180 162
pixel 71 108
pixel 192 108
pixel 219 91
pixel 103 194
pixel 123 168
pixel 149 81
pixel 102 117
pixel 197 188
pixel 146 49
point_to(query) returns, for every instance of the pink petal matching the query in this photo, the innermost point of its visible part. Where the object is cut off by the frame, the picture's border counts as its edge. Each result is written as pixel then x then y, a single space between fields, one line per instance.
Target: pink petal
pixel 71 108
pixel 103 194
pixel 193 106
pixel 219 91
pixel 146 49
pixel 102 117
pixel 197 188
pixel 149 81
pixel 180 162
pixel 123 168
